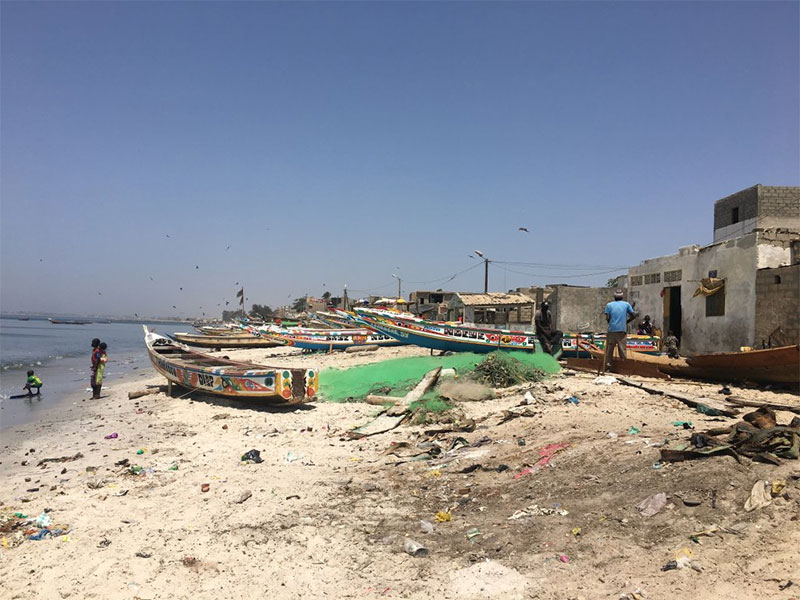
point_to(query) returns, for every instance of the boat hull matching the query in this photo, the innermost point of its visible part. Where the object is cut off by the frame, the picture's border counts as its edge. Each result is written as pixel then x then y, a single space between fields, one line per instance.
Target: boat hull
pixel 451 337
pixel 334 341
pixel 222 377
pixel 769 366
pixel 225 341
pixel 573 344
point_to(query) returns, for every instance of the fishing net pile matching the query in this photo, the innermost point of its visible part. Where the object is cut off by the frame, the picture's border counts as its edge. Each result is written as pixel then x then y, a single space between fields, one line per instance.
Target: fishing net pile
pixel 396 377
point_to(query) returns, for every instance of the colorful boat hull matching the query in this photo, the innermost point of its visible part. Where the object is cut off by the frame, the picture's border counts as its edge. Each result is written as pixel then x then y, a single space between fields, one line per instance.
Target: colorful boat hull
pixel 218 376
pixel 571 344
pixel 448 336
pixel 333 339
pixel 225 341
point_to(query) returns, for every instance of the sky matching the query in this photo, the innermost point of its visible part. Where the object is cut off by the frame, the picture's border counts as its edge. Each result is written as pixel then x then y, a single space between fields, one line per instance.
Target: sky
pixel 295 148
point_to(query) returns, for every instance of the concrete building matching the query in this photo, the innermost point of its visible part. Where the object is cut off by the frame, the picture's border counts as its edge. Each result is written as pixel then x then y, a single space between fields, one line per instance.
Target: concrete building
pixel 430 304
pixel 514 311
pixel 754 230
pixel 579 309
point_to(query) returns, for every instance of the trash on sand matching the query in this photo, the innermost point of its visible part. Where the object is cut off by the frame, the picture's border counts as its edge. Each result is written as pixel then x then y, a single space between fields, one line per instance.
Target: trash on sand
pixel 43 520
pixel 59 459
pixel 414 548
pixel 426 526
pixel 758 436
pixel 604 380
pixel 634 430
pixel 778 485
pixel 528 398
pixel 252 456
pixel 760 496
pixel 143 554
pixel 443 516
pixel 535 510
pixel 684 424
pixel 205 487
pixel 141 451
pixel 576 531
pixel 173 467
pixel 572 400
pixel 476 467
pixel 545 456
pixel 472 533
pixel 136 470
pixel 521 442
pixel 652 504
pixel 725 391
pixel 244 496
pixel 112 436
pixel 563 558
pixel 291 457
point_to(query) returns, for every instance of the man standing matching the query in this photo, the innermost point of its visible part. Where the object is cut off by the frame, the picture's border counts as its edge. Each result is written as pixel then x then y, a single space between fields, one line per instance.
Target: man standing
pixel 646 326
pixel 618 314
pixel 549 338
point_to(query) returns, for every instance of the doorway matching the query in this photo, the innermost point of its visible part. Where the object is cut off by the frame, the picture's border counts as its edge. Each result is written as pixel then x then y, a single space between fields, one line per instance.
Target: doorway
pixel 672 311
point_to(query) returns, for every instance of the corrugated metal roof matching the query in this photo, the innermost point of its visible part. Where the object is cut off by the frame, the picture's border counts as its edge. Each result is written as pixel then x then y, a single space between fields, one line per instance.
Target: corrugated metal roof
pixel 494 299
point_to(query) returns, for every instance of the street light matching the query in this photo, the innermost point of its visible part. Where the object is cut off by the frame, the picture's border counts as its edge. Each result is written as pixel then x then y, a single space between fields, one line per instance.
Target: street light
pixel 399 286
pixel 485 271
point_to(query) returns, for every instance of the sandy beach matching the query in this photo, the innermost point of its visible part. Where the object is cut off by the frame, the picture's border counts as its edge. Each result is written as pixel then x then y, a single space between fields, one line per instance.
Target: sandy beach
pixel 324 516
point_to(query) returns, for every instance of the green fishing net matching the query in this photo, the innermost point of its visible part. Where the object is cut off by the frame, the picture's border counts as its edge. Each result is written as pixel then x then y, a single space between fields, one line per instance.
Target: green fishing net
pixel 398 376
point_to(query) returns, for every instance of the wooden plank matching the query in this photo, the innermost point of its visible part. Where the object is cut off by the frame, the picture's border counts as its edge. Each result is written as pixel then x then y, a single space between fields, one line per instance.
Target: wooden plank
pixel 693 401
pixel 773 405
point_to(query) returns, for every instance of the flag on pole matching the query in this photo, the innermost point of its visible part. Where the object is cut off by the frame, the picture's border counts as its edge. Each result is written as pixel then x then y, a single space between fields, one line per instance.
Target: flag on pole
pixel 240 295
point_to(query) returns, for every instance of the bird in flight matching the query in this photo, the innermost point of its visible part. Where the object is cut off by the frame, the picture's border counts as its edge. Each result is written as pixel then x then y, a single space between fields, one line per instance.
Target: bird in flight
pixel 228 248
pixel 167 235
pixel 196 266
pixel 99 294
pixel 525 229
pixel 180 288
pixel 151 278
pixel 173 306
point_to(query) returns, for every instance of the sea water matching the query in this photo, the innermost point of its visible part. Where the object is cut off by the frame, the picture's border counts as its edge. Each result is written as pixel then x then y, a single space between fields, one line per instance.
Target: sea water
pixel 61 357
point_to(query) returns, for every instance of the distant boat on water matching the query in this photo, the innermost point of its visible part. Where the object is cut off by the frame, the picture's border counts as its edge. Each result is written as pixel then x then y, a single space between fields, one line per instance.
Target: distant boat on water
pixel 23 318
pixel 69 322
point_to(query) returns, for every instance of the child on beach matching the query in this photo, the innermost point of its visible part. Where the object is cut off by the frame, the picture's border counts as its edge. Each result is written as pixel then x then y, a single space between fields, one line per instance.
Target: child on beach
pixel 33 382
pixel 100 369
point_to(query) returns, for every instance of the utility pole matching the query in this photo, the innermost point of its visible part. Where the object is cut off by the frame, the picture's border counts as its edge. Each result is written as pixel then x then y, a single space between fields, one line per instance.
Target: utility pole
pixel 399 286
pixel 485 271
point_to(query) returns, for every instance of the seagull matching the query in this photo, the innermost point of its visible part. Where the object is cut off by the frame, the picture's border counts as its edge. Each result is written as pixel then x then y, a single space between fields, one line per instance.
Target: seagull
pixel 180 288
pixel 228 248
pixel 470 256
pixel 226 303
pixel 173 306
pixel 135 314
pixel 167 235
pixel 151 278
pixel 41 260
pixel 237 283
pixel 525 229
pixel 196 266
pixel 99 294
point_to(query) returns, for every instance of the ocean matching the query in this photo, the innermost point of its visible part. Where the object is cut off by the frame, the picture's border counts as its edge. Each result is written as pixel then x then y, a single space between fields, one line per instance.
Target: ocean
pixel 60 356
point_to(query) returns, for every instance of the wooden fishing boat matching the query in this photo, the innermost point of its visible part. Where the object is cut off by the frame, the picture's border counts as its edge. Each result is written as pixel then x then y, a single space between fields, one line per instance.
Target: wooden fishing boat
pixel 231 379
pixel 69 322
pixel 332 339
pixel 242 340
pixel 770 366
pixel 453 337
pixel 572 344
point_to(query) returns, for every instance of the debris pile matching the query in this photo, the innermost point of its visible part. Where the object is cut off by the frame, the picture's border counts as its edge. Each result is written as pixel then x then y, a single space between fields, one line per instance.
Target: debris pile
pixel 16 527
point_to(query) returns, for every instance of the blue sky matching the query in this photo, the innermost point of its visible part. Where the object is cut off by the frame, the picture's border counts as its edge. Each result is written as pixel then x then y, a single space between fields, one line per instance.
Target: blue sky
pixel 339 143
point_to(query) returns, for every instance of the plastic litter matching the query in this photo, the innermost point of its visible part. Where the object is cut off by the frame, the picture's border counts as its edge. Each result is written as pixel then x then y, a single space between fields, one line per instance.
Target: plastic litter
pixel 760 496
pixel 528 398
pixel 414 548
pixel 443 517
pixel 572 400
pixel 252 456
pixel 43 520
pixel 563 558
pixel 652 504
pixel 140 451
pixel 291 457
pixel 472 533
pixel 205 487
pixel 604 380
pixel 634 430
pixel 426 526
pixel 684 424
pixel 112 436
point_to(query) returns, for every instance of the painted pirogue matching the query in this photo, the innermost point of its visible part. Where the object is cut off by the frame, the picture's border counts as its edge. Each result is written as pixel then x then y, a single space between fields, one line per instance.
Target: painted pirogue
pixel 222 377
pixel 447 336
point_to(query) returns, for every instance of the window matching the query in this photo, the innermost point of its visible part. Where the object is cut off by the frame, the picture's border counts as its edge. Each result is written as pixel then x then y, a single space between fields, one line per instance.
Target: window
pixel 636 280
pixel 715 304
pixel 735 215
pixel 777 278
pixel 670 276
pixel 652 278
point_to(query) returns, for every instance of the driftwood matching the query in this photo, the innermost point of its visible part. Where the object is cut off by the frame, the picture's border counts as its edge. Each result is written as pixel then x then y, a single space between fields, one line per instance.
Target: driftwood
pixel 367 348
pixel 140 393
pixel 396 414
pixel 419 390
pixel 377 400
pixel 693 401
pixel 756 403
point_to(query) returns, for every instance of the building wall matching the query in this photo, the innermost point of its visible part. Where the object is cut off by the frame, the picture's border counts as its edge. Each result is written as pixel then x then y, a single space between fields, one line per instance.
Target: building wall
pixel 779 207
pixel 747 203
pixel 735 261
pixel 579 309
pixel 777 304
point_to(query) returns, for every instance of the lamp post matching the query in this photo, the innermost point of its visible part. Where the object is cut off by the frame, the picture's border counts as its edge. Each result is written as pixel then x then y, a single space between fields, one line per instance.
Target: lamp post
pixel 485 271
pixel 399 286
